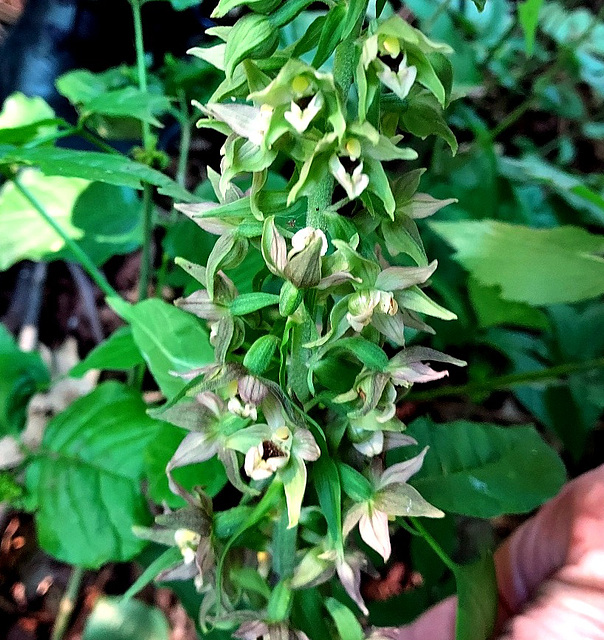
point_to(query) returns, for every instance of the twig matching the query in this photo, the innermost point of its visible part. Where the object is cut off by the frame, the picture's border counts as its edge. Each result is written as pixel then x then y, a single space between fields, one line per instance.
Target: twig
pixel 67 604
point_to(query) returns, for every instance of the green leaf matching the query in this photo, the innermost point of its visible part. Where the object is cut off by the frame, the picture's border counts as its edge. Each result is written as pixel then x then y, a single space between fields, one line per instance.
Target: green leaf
pixel 117 353
pixel 355 485
pixel 369 353
pixel 21 375
pixel 103 218
pixel 491 310
pixel 483 470
pixel 171 341
pixel 253 36
pixel 167 559
pixel 23 118
pixel 116 619
pixel 347 624
pixel 327 485
pixel 85 479
pixel 209 475
pixel 528 16
pixel 476 599
pixel 250 302
pixel 93 165
pixel 536 266
pixel 10 491
pixel 128 102
pixel 423 116
pixel 279 602
pixel 331 33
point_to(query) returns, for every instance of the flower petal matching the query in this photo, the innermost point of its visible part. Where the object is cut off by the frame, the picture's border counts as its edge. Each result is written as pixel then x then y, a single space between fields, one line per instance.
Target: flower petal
pixel 402 471
pixel 402 499
pixel 373 528
pixel 350 577
pixel 294 484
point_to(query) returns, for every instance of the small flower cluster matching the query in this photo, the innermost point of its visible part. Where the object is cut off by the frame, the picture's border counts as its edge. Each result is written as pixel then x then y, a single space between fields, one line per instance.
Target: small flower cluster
pixel 309 365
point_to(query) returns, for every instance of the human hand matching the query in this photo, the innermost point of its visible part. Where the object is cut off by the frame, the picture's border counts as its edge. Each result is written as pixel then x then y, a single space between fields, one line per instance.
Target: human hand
pixel 550 574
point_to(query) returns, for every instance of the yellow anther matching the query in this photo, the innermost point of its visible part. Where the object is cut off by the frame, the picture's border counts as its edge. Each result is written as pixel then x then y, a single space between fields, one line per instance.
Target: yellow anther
pixel 282 433
pixel 353 147
pixel 392 46
pixel 300 84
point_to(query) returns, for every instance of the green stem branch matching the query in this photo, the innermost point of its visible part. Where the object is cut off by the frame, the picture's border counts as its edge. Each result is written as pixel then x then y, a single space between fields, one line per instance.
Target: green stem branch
pixel 503 382
pixel 81 256
pixel 148 144
pixel 67 604
pixel 440 552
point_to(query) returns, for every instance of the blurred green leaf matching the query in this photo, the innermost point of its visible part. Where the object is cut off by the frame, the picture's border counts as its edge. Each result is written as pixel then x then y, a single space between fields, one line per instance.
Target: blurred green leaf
pixel 483 470
pixel 85 478
pixel 93 165
pixel 103 218
pixel 536 266
pixel 346 622
pixel 477 599
pixel 21 375
pixel 492 310
pixel 528 16
pixel 116 619
pixel 117 353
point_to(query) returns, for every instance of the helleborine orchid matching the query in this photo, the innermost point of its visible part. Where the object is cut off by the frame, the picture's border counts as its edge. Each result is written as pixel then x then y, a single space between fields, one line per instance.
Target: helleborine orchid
pixel 392 497
pixel 319 565
pixel 258 629
pixel 277 447
pixel 189 529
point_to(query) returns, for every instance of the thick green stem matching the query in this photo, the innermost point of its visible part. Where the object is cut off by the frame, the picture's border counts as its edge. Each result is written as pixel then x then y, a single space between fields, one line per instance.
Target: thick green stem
pixel 81 256
pixel 67 604
pixel 148 144
pixel 503 382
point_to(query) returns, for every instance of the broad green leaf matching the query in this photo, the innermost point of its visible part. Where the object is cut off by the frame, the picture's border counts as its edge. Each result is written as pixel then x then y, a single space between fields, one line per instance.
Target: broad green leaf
pixel 23 118
pixel 116 619
pixel 21 375
pixel 103 218
pixel 476 599
pixel 19 109
pixel 483 470
pixel 85 479
pixel 129 102
pixel 491 310
pixel 528 15
pixel 93 165
pixel 117 353
pixel 171 341
pixel 346 622
pixel 536 266
pixel 210 475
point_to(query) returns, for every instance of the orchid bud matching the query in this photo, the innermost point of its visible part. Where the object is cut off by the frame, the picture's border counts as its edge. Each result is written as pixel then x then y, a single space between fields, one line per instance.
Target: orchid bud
pixel 258 358
pixel 303 268
pixel 252 390
pixel 290 298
